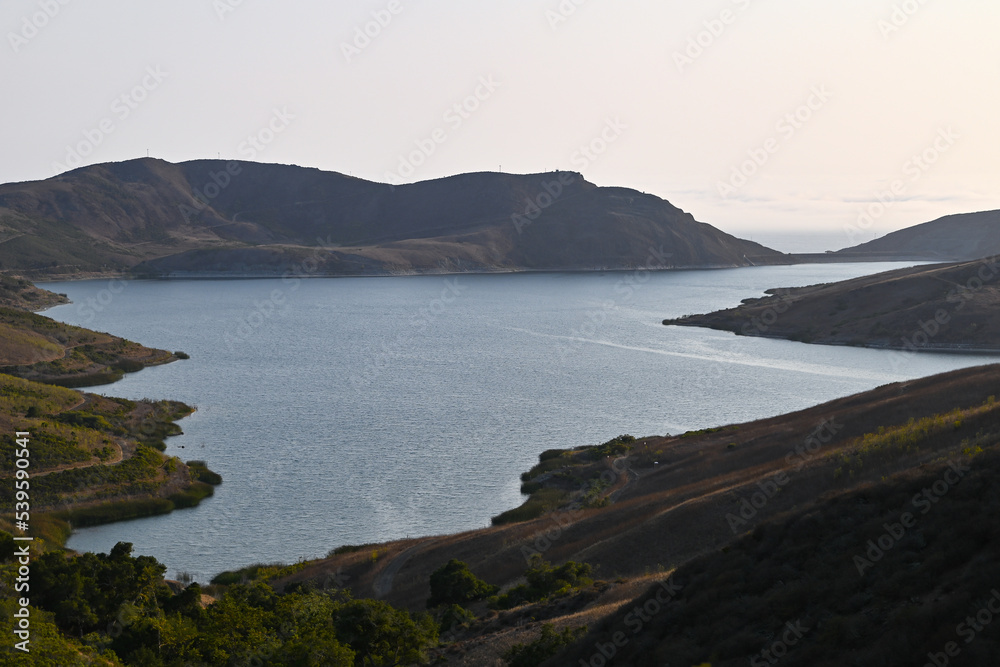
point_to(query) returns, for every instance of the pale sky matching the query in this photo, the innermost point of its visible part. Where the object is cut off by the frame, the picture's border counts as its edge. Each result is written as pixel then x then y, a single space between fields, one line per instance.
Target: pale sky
pixel 750 114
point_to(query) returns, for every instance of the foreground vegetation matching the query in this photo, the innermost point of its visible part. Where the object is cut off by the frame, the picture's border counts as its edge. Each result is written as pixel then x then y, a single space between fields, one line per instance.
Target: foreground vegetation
pixel 115 609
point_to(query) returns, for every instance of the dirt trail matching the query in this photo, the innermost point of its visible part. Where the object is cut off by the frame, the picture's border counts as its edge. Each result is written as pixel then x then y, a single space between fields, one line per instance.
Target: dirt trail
pixel 117 457
pixel 382 585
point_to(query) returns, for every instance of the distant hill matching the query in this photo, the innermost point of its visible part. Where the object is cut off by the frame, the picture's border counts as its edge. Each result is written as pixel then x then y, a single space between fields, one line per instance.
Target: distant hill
pixel 949 239
pixel 950 307
pixel 213 217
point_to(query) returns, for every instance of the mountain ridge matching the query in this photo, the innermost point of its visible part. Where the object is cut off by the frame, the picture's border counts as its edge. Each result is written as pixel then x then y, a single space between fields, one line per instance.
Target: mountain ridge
pixel 157 218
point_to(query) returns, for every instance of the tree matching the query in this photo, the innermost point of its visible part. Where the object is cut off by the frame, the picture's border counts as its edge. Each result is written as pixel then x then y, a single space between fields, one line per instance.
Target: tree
pixel 454 583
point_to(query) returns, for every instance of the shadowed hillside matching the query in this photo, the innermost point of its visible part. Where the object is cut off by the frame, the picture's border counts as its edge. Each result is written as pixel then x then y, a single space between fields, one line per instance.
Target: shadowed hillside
pixel 241 218
pixel 951 307
pixel 948 239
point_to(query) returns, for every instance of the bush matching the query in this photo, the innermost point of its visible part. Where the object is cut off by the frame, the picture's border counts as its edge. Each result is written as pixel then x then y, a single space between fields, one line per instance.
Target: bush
pixel 197 492
pixel 117 511
pixel 455 616
pixel 129 365
pixel 547 645
pixel 200 472
pixel 541 501
pixel 544 581
pixel 454 583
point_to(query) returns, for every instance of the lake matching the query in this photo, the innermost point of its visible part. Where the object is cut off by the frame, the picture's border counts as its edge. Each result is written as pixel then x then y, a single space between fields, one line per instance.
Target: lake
pixel 354 410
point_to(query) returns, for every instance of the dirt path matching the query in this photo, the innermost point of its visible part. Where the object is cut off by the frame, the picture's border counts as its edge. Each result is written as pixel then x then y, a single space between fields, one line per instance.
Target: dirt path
pixel 631 477
pixel 382 585
pixel 117 457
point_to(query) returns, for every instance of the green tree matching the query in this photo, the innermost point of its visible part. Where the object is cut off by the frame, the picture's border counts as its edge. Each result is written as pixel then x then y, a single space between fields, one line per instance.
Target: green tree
pixel 454 583
pixel 381 635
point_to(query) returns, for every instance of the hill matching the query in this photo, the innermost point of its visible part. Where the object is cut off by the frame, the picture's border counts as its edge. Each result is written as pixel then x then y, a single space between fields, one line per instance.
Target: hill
pixel 949 307
pixel 211 217
pixel 949 239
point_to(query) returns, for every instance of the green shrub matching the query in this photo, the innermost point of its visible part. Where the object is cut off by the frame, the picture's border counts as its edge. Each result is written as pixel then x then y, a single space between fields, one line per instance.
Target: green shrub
pixel 121 510
pixel 455 616
pixel 547 645
pixel 454 583
pixel 544 582
pixel 197 492
pixel 542 501
pixel 129 365
pixel 200 472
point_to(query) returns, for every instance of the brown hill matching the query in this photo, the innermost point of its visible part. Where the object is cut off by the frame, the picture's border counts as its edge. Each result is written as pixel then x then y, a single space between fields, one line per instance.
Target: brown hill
pixel 949 307
pixel 212 217
pixel 949 239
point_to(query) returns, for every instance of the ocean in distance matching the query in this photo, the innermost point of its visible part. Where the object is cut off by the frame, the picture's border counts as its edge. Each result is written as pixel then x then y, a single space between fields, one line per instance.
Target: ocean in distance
pixel 356 410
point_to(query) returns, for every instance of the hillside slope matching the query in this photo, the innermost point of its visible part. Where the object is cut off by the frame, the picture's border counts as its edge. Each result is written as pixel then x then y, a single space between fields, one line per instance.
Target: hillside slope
pixel 949 307
pixel 949 239
pixel 211 217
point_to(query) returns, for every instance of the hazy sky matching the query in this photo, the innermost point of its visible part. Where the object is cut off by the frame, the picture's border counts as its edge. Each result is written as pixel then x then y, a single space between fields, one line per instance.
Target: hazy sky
pixel 751 114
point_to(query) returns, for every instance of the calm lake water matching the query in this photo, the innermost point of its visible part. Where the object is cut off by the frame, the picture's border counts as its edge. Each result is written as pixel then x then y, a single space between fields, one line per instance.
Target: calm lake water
pixel 346 411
